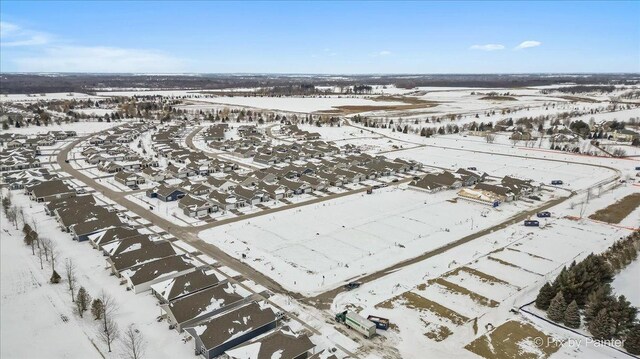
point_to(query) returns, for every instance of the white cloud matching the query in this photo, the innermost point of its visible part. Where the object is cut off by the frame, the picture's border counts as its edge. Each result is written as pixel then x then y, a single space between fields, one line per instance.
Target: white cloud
pixel 12 35
pixel 98 59
pixel 487 47
pixel 44 53
pixel 384 53
pixel 527 44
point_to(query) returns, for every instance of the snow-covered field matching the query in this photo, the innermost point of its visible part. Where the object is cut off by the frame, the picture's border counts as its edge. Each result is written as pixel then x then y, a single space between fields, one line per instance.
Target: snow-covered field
pixel 315 248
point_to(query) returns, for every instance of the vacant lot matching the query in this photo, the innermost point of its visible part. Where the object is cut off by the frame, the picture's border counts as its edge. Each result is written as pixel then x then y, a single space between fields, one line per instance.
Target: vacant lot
pixel 514 340
pixel 618 211
pixel 320 246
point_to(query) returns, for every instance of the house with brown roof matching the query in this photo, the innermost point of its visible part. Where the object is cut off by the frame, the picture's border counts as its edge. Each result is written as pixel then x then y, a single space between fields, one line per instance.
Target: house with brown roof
pixel 282 344
pixel 220 333
pixel 141 277
pixel 137 253
pixel 203 304
pixel 50 190
pixel 186 284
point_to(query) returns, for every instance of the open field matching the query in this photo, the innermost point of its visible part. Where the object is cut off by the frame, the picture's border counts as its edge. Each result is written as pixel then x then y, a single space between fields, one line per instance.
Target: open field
pixel 513 340
pixel 618 211
pixel 318 247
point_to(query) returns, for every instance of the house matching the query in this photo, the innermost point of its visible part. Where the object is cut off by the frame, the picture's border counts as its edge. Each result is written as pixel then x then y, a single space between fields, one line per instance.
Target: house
pixel 50 190
pixel 439 181
pixel 481 195
pixel 187 284
pixel 282 344
pixel 220 333
pixel 153 174
pixel 69 202
pixel 128 178
pixel 493 190
pixel 113 234
pixel 196 207
pixel 82 231
pixel 137 253
pixel 297 187
pixel 221 184
pixel 141 277
pixel 226 201
pixel 203 304
pixel 624 135
pixel 250 196
pixel 166 193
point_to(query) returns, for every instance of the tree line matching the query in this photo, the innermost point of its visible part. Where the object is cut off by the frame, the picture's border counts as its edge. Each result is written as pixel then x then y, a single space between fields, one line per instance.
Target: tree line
pixel 582 294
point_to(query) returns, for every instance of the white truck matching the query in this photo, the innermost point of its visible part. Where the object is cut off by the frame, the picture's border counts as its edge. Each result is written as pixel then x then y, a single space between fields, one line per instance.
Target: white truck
pixel 356 322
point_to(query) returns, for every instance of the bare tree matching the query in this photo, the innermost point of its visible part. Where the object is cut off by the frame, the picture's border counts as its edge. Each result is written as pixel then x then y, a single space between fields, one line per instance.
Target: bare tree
pixel 45 242
pixel 41 254
pixel 109 333
pixel 133 343
pixel 618 152
pixel 53 253
pixel 109 307
pixel 70 273
pixel 12 216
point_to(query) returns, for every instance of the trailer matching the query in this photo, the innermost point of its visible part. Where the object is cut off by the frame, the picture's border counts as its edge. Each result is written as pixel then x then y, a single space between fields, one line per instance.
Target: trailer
pixel 531 223
pixel 356 322
pixel 381 323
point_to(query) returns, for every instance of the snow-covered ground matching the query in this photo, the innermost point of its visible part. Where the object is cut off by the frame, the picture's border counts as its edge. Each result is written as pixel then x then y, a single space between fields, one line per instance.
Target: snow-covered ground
pixel 318 247
pixel 626 282
pixel 33 308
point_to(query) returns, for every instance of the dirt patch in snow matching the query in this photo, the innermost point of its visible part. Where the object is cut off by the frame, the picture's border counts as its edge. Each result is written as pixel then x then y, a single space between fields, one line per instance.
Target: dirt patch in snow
pixel 514 340
pixel 411 103
pixel 454 288
pixel 618 211
pixel 418 302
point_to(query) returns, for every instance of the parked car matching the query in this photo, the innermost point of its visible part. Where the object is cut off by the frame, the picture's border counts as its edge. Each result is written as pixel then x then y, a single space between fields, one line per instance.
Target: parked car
pixel 557 182
pixel 134 187
pixel 531 223
pixel 395 180
pixel 416 178
pixel 66 161
pixel 544 214
pixel 534 197
pixel 472 168
pixel 352 285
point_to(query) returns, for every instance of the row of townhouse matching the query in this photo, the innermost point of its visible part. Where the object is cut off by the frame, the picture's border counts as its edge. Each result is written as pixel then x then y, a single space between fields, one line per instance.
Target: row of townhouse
pixel 221 317
pixel 111 151
pixel 26 178
pixel 235 190
pixel 297 133
pixel 35 142
pixel 18 159
pixel 215 132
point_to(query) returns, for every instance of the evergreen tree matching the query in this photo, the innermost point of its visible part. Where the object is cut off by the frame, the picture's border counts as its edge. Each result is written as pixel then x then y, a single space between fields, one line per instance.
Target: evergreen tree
pixel 55 277
pixel 557 308
pixel 623 315
pixel 82 301
pixel 597 300
pixel 601 327
pixel 545 296
pixel 96 308
pixel 632 342
pixel 572 315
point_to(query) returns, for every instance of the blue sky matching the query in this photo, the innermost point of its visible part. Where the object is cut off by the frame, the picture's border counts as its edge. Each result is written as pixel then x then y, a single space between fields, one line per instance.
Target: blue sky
pixel 319 37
